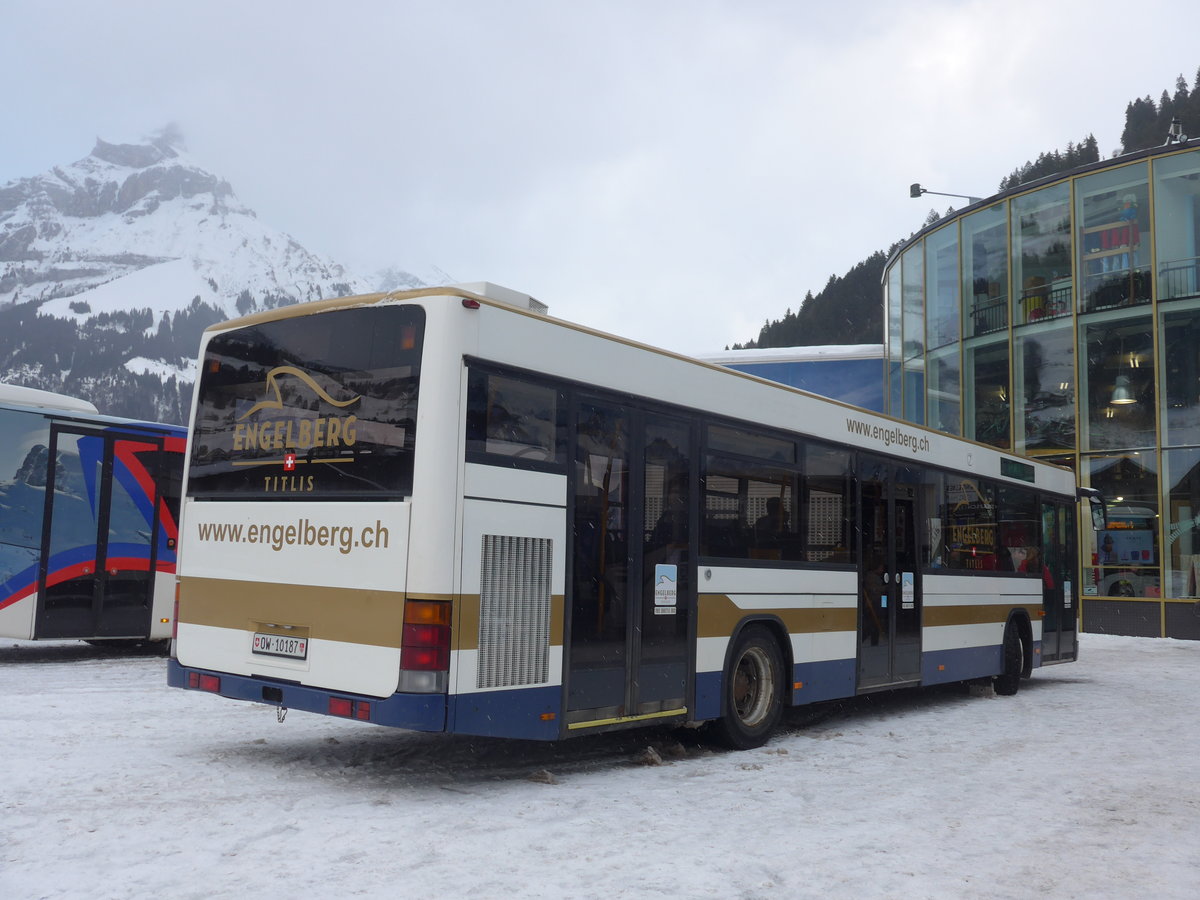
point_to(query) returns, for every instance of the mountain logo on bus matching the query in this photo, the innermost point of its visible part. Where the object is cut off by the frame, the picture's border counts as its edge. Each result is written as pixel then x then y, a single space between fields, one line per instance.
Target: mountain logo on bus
pixel 272 385
pixel 299 432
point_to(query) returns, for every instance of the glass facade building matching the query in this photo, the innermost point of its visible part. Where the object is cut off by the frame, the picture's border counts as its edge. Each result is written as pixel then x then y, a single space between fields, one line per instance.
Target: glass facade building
pixel 1061 320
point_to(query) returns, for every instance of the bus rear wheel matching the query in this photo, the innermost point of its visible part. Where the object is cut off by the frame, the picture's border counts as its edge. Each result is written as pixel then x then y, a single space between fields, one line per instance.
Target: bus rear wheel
pixel 1008 682
pixel 753 691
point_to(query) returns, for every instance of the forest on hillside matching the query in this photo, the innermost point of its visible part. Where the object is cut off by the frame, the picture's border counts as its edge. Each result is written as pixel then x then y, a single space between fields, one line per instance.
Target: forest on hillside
pixel 849 309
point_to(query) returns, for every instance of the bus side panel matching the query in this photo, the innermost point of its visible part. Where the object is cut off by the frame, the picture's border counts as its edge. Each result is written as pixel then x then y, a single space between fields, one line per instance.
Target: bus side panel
pixel 818 610
pixel 964 619
pixel 167 538
pixel 23 467
pixel 16 614
pixel 252 568
pixel 507 661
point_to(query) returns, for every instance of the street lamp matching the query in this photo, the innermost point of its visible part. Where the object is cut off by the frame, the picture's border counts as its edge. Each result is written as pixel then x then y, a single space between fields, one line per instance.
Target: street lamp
pixel 915 190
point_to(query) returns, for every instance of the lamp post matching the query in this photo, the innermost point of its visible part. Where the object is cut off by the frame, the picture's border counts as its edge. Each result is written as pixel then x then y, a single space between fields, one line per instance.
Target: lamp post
pixel 915 190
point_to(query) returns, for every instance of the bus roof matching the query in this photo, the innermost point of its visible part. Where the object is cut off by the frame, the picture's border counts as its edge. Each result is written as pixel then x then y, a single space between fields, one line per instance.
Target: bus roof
pixel 25 396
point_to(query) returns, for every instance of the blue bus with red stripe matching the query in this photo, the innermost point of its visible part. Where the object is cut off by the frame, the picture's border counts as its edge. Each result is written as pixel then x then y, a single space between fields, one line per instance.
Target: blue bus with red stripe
pixel 89 509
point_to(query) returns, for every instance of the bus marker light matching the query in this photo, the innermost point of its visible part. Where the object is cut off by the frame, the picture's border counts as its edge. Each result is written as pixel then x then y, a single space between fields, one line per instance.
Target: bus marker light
pixel 941 668
pixel 798 685
pixel 548 717
pixel 469 303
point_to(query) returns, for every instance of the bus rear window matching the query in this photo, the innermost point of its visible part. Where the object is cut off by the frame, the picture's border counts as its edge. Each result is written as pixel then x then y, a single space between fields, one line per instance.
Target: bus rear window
pixel 308 407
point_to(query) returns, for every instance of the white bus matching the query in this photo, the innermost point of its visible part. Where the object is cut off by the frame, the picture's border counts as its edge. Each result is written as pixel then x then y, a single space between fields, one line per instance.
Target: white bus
pixel 88 509
pixel 444 510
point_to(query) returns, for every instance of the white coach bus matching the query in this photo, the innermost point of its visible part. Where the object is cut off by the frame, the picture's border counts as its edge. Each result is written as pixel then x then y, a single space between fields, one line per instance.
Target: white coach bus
pixel 444 510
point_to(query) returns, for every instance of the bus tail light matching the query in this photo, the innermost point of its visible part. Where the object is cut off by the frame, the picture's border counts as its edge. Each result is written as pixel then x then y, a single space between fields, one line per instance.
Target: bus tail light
pixel 425 646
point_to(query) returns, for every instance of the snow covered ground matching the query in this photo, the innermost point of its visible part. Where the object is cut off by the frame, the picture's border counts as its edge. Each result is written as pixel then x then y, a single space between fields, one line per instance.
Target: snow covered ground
pixel 1083 785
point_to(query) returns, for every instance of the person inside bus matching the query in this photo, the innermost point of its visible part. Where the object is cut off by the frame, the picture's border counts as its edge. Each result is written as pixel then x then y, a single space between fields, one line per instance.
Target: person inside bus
pixel 1033 564
pixel 774 524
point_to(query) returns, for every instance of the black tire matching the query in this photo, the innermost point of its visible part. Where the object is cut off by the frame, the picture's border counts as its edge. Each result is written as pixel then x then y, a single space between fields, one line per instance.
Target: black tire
pixel 1008 682
pixel 752 691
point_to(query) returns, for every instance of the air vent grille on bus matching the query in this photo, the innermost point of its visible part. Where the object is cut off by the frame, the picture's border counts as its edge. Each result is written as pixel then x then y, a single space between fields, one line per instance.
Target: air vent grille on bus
pixel 514 611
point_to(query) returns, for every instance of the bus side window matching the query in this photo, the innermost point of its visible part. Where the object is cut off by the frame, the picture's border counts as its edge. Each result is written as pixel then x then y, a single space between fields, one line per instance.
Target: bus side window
pixel 513 418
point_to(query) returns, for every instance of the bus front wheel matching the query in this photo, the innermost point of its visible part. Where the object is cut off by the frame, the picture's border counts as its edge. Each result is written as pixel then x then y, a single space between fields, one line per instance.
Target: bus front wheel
pixel 753 691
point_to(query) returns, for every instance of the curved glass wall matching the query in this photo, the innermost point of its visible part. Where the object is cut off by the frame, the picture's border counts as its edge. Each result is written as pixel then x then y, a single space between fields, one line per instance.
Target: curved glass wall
pixel 1064 322
pixel 942 319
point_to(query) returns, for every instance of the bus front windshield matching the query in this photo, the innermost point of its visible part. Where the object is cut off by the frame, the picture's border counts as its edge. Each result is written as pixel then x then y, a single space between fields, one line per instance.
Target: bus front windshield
pixel 310 407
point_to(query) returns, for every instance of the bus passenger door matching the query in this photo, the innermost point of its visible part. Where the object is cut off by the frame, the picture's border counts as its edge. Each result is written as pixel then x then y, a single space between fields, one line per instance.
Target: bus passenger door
pixel 97 570
pixel 631 592
pixel 1059 638
pixel 889 576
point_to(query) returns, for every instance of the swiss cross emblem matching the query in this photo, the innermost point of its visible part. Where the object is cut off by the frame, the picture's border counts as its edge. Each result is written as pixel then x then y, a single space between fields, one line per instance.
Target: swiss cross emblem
pixel 289 462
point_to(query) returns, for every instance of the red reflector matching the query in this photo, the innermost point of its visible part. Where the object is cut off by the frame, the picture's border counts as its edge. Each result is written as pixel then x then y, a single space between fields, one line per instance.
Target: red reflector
pixel 193 679
pixel 339 706
pixel 210 683
pixel 362 710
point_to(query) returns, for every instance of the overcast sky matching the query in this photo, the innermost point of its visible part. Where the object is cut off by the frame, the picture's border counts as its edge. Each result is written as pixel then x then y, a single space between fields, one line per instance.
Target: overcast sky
pixel 676 171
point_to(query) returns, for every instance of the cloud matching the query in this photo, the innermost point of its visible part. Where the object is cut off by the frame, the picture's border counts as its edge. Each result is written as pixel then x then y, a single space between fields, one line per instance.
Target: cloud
pixel 673 171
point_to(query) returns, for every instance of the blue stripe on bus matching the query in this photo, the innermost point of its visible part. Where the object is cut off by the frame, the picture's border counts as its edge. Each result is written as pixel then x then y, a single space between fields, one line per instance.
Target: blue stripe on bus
pixel 826 680
pixel 417 712
pixel 961 664
pixel 508 714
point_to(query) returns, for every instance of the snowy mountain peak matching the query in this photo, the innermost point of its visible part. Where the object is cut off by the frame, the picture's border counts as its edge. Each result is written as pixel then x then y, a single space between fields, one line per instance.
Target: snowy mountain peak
pixel 137 240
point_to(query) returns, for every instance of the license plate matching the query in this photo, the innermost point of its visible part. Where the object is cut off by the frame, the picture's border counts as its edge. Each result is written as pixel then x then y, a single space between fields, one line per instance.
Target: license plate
pixel 280 645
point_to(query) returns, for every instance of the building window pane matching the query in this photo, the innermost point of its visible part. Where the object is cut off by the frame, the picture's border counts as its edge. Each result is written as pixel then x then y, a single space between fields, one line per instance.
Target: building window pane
pixel 1041 254
pixel 945 408
pixel 913 265
pixel 985 271
pixel 1044 371
pixel 987 392
pixel 1124 558
pixel 941 288
pixel 1182 477
pixel 1180 352
pixel 1113 211
pixel 1119 384
pixel 1177 224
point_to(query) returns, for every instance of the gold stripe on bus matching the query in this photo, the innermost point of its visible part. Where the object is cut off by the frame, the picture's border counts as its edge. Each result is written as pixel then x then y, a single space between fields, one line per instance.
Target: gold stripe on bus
pixel 466 628
pixel 616 720
pixel 968 614
pixel 350 615
pixel 718 616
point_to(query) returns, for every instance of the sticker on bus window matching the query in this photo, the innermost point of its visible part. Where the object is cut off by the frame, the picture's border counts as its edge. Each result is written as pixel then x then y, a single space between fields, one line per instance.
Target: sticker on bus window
pixel 666 588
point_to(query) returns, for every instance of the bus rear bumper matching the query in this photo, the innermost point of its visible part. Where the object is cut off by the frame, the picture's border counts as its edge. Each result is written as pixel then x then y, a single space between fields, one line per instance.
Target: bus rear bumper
pixel 417 712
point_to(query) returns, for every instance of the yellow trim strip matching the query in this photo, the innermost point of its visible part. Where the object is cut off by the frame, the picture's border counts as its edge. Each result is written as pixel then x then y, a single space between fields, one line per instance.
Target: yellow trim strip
pixel 662 714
